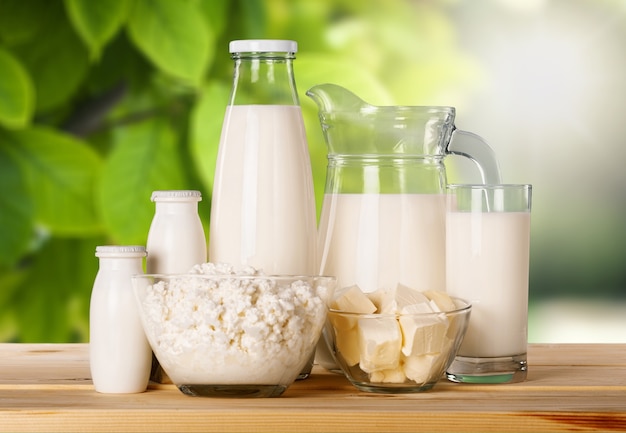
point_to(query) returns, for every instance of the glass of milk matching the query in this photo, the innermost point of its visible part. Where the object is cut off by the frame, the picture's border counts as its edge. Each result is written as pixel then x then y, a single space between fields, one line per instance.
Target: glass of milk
pixel 487 264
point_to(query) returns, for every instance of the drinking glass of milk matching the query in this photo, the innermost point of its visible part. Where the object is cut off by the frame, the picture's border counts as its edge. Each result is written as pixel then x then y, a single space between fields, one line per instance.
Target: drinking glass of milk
pixel 487 264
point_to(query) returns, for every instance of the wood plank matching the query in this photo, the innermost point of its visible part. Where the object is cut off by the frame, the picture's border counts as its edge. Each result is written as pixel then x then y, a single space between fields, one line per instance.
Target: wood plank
pixel 577 354
pixel 570 387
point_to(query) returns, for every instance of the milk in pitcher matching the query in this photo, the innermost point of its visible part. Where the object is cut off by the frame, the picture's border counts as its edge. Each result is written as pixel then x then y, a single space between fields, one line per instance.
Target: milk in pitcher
pixel 377 241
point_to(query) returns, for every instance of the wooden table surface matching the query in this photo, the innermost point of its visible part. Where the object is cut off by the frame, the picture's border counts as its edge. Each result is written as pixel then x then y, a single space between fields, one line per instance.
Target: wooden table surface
pixel 571 387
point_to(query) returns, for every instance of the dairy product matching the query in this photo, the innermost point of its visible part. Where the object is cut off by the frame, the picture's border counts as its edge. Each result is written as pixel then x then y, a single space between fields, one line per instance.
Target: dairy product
pixel 422 334
pixel 418 367
pixel 347 341
pixel 176 238
pixel 440 299
pixel 488 255
pixel 263 205
pixel 380 340
pixel 403 343
pixel 392 375
pixel 253 330
pixel 119 353
pixel 353 300
pixel 377 241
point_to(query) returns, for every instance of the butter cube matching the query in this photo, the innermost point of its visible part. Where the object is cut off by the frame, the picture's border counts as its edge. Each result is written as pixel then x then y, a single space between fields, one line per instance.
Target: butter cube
pixel 380 343
pixel 395 375
pixel 422 334
pixel 407 296
pixel 442 299
pixel 353 300
pixel 347 341
pixel 420 368
pixel 342 322
pixel 384 300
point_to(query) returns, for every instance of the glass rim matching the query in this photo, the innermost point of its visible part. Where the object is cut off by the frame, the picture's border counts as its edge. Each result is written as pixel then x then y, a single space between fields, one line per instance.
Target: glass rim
pixel 279 277
pixel 467 306
pixel 490 186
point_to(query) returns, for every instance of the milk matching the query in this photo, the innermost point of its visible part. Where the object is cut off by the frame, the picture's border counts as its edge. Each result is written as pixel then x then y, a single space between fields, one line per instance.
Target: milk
pixel 487 265
pixel 379 240
pixel 263 205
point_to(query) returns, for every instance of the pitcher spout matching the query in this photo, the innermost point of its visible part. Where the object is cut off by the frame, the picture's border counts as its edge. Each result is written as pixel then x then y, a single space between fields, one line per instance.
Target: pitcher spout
pixel 334 98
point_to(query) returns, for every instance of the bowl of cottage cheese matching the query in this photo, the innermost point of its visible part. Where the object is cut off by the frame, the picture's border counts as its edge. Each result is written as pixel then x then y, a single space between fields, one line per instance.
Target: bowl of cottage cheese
pixel 218 331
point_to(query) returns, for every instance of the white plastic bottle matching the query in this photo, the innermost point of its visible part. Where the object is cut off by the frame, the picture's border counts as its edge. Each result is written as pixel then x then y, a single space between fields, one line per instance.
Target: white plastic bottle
pixel 119 353
pixel 176 240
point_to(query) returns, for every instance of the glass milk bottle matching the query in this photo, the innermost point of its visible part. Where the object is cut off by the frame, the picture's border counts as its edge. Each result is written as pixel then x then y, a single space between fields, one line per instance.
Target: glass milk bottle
pixel 176 240
pixel 119 353
pixel 263 204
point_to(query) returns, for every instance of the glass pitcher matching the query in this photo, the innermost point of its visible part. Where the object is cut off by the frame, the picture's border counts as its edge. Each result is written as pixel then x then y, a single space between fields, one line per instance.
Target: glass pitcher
pixel 383 216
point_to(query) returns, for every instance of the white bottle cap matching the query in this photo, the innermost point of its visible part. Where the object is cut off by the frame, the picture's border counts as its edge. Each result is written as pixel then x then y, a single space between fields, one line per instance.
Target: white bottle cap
pixel 263 46
pixel 120 250
pixel 176 195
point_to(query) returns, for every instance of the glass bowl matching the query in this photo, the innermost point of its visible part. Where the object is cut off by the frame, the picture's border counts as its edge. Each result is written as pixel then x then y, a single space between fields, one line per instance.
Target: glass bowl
pixel 232 335
pixel 396 353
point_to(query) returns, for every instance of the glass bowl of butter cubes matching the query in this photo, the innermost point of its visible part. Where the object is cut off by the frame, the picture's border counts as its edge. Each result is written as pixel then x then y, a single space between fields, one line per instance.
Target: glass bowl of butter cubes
pixel 399 340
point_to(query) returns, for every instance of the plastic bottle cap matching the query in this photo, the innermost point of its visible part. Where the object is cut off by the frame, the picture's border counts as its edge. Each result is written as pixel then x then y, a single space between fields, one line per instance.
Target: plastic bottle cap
pixel 176 195
pixel 117 250
pixel 263 46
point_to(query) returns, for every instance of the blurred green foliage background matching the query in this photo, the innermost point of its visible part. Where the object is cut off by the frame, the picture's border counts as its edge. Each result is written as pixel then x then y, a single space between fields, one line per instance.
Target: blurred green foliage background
pixel 102 102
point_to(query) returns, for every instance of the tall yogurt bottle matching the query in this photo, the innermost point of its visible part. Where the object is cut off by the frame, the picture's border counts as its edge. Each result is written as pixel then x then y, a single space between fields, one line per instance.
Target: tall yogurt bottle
pixel 176 242
pixel 263 204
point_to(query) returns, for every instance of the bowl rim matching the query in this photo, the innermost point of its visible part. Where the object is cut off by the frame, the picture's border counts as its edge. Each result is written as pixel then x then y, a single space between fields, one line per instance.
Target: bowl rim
pixel 466 306
pixel 236 276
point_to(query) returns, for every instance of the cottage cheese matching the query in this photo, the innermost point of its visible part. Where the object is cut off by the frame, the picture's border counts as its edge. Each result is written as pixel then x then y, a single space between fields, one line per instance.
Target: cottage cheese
pixel 209 328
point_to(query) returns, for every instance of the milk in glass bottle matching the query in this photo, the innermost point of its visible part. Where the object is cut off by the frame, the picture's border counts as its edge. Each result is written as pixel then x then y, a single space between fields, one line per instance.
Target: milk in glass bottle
pixel 119 353
pixel 263 205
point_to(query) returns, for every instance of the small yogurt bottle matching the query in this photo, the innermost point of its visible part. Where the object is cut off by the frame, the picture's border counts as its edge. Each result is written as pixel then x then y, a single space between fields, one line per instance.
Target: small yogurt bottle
pixel 119 353
pixel 176 240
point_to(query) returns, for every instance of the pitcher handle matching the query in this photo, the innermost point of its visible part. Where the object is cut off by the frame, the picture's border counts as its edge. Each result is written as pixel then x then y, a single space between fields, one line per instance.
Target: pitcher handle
pixel 475 148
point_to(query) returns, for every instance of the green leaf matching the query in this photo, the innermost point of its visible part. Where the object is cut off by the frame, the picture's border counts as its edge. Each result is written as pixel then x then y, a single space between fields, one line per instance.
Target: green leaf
pixel 216 14
pixel 17 98
pixel 57 62
pixel 120 63
pixel 62 172
pixel 96 21
pixel 52 303
pixel 174 36
pixel 145 158
pixel 205 129
pixel 16 209
pixel 252 18
pixel 21 21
